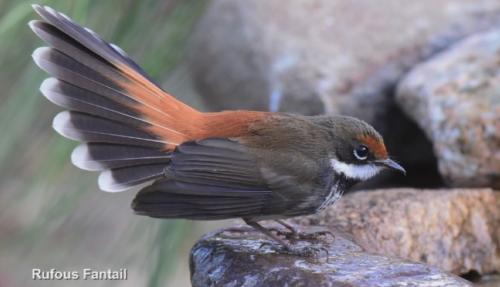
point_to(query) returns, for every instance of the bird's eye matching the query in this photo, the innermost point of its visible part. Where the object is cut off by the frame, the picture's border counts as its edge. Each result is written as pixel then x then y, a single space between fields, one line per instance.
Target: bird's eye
pixel 361 152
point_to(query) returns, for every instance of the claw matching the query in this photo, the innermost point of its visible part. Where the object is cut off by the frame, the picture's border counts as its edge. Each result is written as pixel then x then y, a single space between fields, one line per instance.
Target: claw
pixel 303 235
pixel 283 233
pixel 325 232
pixel 310 251
pixel 264 244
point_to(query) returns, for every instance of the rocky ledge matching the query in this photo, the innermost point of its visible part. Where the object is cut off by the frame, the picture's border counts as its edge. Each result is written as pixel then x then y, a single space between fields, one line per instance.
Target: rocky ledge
pixel 249 259
pixel 457 230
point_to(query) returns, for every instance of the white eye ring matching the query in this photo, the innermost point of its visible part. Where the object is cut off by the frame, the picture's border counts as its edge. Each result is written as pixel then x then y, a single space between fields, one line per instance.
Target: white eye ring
pixel 361 152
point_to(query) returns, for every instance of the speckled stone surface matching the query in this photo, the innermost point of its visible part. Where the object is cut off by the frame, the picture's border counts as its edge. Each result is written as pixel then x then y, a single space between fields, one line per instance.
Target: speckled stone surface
pixel 455 98
pixel 457 230
pixel 242 260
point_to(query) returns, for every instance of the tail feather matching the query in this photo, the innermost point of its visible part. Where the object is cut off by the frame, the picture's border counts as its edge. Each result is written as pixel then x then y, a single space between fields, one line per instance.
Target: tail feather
pixel 75 64
pixel 68 70
pixel 84 127
pixel 104 64
pixel 74 73
pixel 67 46
pixel 98 156
pixel 120 179
pixel 77 99
pixel 86 37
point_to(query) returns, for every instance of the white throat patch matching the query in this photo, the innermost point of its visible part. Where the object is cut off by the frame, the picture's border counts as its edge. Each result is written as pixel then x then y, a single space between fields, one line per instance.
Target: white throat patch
pixel 353 171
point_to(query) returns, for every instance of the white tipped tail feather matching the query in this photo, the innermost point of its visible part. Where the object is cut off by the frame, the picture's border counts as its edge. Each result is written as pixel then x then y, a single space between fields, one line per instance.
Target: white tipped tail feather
pixel 62 124
pixel 107 183
pixel 81 158
pixel 122 179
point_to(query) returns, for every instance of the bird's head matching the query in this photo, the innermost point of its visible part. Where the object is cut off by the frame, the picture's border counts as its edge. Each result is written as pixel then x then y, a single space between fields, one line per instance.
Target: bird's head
pixel 357 149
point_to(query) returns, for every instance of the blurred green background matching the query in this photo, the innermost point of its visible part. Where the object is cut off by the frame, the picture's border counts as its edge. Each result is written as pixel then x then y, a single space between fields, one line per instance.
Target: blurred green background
pixel 52 215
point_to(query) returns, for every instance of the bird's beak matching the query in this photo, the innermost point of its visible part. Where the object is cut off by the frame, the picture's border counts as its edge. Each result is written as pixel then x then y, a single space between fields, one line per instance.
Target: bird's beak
pixel 389 163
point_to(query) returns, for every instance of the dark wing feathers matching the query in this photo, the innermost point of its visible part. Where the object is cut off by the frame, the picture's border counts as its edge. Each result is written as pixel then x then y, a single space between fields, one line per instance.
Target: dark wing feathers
pixel 209 179
pixel 216 162
pixel 218 179
pixel 171 199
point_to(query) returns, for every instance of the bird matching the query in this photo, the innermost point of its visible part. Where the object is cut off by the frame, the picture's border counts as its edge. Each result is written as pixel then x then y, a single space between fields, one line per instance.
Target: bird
pixel 254 165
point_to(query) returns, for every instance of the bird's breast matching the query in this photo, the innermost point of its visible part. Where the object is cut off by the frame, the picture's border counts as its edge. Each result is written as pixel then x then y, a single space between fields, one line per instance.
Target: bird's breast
pixel 336 188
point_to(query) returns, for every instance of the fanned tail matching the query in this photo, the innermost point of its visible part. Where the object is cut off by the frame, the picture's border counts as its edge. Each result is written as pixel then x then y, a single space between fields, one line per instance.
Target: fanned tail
pixel 129 125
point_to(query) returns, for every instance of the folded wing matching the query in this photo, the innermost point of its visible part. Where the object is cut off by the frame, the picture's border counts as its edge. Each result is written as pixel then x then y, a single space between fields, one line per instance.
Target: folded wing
pixel 216 179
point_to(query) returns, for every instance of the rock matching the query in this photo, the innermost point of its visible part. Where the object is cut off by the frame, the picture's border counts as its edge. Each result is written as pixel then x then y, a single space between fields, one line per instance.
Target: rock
pixel 457 230
pixel 329 56
pixel 226 260
pixel 455 98
pixel 488 281
pixel 304 56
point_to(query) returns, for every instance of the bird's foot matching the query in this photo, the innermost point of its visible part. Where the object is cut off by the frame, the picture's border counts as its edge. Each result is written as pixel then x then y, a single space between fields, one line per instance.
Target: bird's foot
pixel 316 234
pixel 287 246
pixel 301 251
pixel 292 232
pixel 313 251
pixel 310 235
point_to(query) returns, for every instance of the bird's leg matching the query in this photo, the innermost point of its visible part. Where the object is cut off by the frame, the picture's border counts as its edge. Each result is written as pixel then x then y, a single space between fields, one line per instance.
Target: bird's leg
pixel 307 251
pixel 254 226
pixel 266 232
pixel 290 227
pixel 291 232
pixel 295 233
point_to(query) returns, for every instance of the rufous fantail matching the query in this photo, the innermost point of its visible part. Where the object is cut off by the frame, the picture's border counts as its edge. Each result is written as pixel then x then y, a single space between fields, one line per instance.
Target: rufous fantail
pixel 233 164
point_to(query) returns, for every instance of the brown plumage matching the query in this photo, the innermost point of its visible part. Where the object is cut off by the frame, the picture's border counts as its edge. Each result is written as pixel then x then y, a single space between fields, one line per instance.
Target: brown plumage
pixel 248 164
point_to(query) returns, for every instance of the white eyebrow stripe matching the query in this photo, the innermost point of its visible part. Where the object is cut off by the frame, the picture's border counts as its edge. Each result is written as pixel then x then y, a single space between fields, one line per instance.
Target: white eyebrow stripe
pixel 353 171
